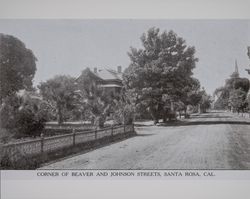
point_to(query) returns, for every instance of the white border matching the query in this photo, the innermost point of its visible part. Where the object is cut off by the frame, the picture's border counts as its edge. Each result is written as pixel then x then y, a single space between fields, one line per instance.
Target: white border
pixel 125 188
pixel 141 9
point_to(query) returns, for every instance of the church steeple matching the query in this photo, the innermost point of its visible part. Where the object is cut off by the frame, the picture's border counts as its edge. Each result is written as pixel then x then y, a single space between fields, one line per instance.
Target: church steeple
pixel 236 71
pixel 236 67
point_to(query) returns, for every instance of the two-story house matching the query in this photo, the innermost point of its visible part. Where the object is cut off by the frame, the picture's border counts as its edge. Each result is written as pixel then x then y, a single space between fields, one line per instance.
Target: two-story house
pixel 109 80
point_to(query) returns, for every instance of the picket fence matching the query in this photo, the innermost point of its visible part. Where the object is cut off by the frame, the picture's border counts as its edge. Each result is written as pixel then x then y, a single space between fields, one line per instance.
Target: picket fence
pixel 54 143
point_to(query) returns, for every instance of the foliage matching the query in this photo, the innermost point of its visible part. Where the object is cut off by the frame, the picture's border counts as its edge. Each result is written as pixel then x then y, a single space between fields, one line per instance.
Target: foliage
pixel 222 94
pixel 123 111
pixel 8 111
pixel 17 66
pixel 238 83
pixel 237 100
pixel 248 102
pixel 24 114
pixel 17 160
pixel 190 95
pixel 205 102
pixel 158 73
pixel 234 89
pixel 30 121
pixel 59 91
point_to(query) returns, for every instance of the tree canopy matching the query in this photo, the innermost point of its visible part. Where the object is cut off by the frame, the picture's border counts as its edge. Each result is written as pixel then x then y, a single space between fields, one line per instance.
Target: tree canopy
pixel 17 66
pixel 161 71
pixel 59 91
pixel 233 94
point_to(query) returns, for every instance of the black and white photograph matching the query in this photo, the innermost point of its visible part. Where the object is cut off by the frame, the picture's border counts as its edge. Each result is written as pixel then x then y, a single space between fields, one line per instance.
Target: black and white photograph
pixel 125 94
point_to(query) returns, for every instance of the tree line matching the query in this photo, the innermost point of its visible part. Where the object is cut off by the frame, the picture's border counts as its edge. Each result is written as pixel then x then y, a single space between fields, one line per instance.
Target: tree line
pixel 158 84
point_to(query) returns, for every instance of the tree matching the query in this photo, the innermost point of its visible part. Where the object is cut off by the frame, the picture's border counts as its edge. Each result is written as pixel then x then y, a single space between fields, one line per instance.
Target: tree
pixel 205 102
pixel 248 102
pixel 31 116
pixel 227 93
pixel 24 113
pixel 222 94
pixel 17 66
pixel 8 111
pixel 237 100
pixel 190 94
pixel 159 71
pixel 60 91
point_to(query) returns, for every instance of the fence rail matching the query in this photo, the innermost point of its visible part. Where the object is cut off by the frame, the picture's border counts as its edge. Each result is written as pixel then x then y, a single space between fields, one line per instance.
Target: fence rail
pixel 244 115
pixel 49 144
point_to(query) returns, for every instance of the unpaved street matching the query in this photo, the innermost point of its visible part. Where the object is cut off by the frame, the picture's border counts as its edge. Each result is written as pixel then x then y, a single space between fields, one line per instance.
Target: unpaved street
pixel 216 140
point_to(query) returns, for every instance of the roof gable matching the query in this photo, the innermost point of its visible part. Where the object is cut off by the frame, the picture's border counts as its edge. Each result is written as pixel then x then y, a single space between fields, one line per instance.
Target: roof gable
pixel 108 74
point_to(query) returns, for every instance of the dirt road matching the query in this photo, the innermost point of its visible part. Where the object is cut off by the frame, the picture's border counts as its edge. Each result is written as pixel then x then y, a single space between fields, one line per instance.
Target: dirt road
pixel 215 140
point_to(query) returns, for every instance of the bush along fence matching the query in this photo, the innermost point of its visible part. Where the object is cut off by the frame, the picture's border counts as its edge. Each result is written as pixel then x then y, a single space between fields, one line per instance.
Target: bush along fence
pixel 244 115
pixel 48 145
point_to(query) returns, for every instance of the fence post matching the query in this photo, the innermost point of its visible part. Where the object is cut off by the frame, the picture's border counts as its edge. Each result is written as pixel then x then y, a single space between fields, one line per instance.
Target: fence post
pixel 74 136
pixel 42 142
pixel 124 129
pixel 96 133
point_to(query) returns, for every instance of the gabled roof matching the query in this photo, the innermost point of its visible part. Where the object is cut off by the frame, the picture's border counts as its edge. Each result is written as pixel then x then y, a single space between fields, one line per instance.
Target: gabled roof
pixel 108 74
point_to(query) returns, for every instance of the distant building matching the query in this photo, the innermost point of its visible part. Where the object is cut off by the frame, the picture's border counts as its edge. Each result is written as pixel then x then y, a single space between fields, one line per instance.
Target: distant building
pixel 108 79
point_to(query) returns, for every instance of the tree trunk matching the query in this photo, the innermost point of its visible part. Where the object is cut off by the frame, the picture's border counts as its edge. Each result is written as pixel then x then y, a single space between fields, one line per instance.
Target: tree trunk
pixel 59 115
pixel 155 119
pixel 99 121
pixel 154 115
pixel 164 117
pixel 185 112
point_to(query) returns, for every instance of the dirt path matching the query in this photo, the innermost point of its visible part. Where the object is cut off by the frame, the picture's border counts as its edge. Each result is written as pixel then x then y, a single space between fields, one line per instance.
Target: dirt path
pixel 215 140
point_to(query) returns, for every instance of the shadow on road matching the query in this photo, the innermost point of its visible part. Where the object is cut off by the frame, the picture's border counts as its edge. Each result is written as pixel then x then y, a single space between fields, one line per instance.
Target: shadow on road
pixel 142 125
pixel 142 135
pixel 190 123
pixel 211 116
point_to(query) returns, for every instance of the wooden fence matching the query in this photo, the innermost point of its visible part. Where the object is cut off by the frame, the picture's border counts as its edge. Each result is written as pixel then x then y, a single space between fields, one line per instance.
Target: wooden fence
pixel 54 143
pixel 244 115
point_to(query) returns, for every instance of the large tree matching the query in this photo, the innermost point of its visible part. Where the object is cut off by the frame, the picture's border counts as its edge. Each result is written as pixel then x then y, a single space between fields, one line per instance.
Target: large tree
pixel 237 100
pixel 205 102
pixel 17 66
pixel 60 91
pixel 190 94
pixel 159 71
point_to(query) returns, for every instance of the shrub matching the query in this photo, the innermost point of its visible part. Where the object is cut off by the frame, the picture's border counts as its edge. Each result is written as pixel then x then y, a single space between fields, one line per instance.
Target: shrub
pixel 24 115
pixel 124 114
pixel 30 122
pixel 17 160
pixel 99 121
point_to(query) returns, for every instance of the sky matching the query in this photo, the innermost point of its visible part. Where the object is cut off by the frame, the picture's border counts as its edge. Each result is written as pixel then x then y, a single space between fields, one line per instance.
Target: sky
pixel 66 47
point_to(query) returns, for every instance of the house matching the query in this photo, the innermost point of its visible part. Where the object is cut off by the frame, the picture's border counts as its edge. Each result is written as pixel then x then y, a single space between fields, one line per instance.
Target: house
pixel 109 80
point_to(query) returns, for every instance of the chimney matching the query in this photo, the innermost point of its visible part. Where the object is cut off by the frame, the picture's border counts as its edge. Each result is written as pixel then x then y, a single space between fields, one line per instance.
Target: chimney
pixel 95 70
pixel 119 69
